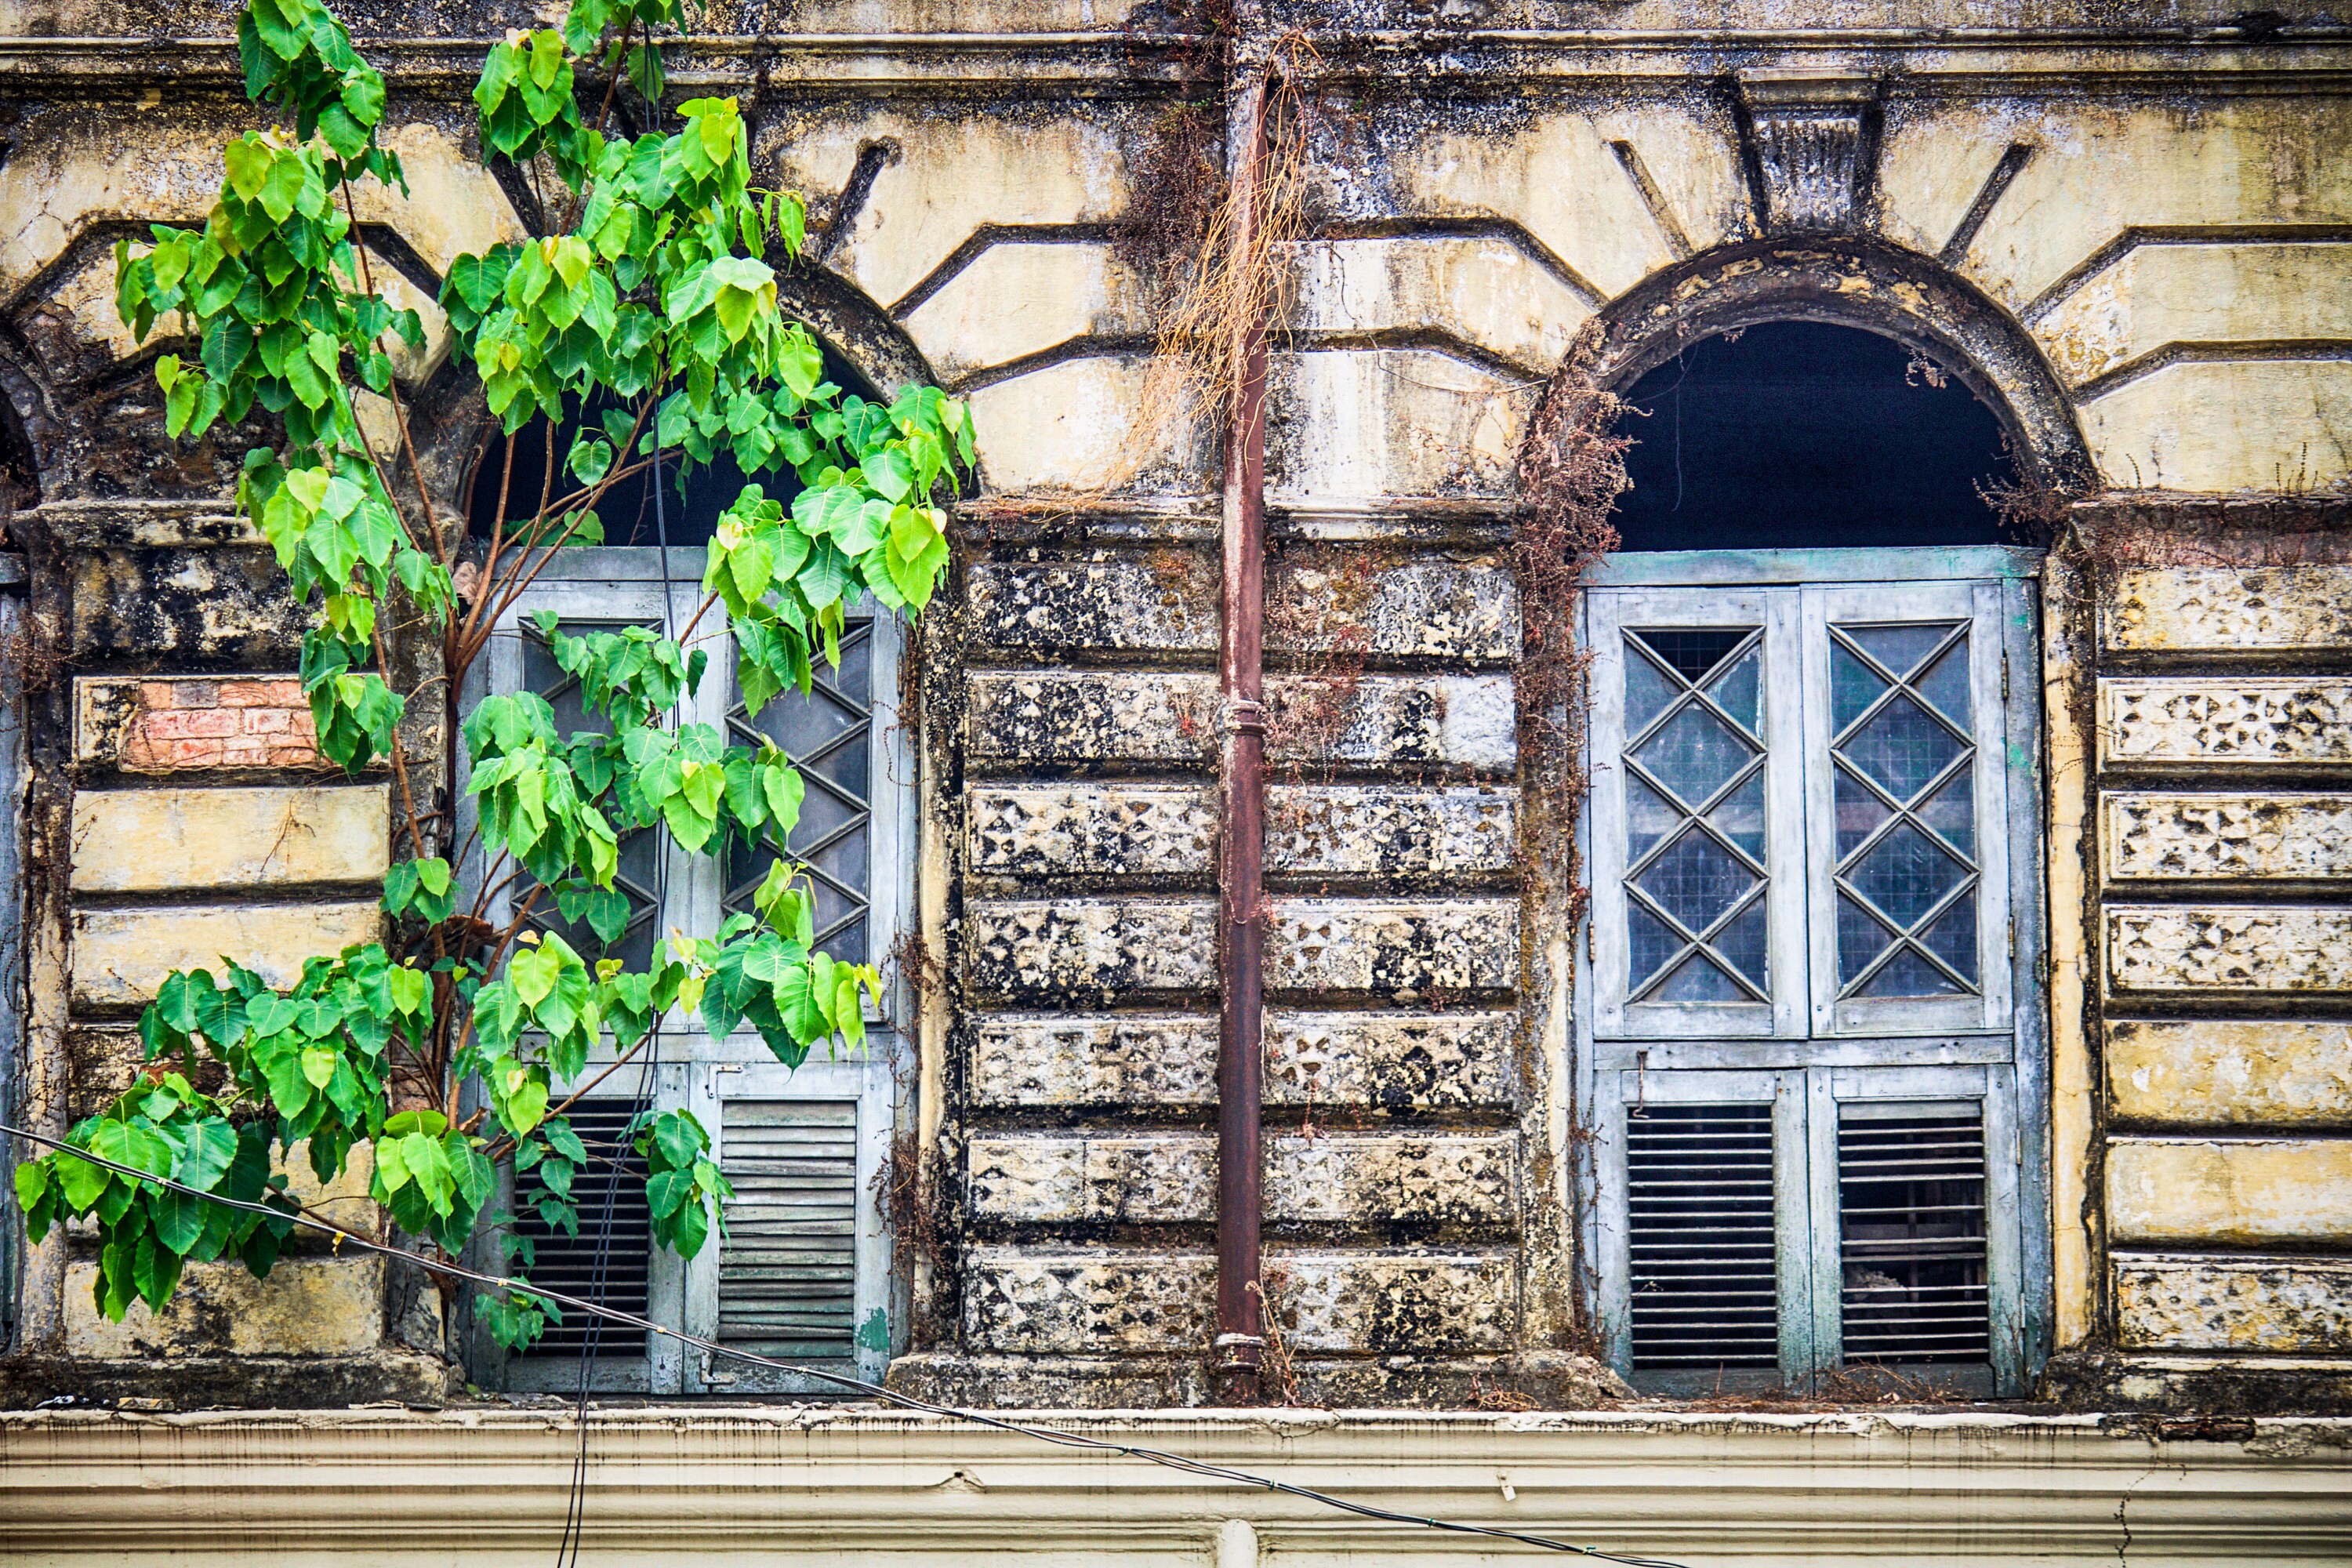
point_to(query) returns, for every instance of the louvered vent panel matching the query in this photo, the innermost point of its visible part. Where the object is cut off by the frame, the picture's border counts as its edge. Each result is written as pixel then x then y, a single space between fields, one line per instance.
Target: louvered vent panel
pixel 788 1268
pixel 1911 1189
pixel 569 1263
pixel 1699 1191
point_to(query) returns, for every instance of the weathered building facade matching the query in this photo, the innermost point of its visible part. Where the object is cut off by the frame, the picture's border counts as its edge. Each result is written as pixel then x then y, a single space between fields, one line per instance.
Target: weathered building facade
pixel 1619 1028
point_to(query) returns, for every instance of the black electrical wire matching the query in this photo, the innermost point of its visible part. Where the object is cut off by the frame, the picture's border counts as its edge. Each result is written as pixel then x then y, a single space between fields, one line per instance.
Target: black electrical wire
pixel 1161 1457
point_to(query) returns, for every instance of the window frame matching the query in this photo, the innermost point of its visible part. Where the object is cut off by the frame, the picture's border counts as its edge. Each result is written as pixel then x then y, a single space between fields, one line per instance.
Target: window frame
pixel 1617 1061
pixel 614 584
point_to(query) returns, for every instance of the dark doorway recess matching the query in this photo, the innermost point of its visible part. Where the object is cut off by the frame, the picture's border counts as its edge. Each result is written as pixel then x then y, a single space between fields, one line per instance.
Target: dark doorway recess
pixel 689 513
pixel 1795 435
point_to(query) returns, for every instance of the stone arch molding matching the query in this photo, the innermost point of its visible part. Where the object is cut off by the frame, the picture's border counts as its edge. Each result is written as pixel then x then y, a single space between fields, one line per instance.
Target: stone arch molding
pixel 1854 282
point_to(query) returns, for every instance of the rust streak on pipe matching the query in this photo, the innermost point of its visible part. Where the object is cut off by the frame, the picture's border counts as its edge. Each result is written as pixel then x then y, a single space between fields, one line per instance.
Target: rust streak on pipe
pixel 1240 1341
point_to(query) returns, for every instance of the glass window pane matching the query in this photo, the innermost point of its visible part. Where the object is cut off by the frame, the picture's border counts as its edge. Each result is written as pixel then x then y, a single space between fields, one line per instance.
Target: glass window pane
pixel 1650 945
pixel 1952 812
pixel 1860 937
pixel 1853 687
pixel 1743 942
pixel 1700 979
pixel 1859 812
pixel 1695 754
pixel 1945 684
pixel 1740 818
pixel 1906 874
pixel 1908 974
pixel 1898 648
pixel 1903 748
pixel 1691 652
pixel 1695 880
pixel 1739 689
pixel 1649 816
pixel 1648 689
pixel 1953 937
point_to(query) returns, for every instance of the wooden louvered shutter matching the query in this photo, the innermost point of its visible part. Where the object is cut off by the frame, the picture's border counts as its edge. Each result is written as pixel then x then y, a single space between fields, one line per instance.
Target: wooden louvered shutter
pixel 788 1267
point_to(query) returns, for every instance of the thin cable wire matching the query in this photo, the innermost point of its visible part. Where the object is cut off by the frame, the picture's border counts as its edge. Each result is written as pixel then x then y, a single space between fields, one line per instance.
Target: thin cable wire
pixel 1055 1437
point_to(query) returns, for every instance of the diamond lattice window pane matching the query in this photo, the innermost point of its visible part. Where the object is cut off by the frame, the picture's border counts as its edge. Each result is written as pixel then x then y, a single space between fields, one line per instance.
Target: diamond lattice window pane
pixel 1952 812
pixel 1650 944
pixel 1695 754
pixel 1648 689
pixel 1695 880
pixel 1744 942
pixel 1906 875
pixel 1860 937
pixel 1700 979
pixel 1903 748
pixel 1953 937
pixel 1945 684
pixel 1649 816
pixel 1854 687
pixel 1739 689
pixel 1898 648
pixel 1692 652
pixel 1740 818
pixel 1860 812
pixel 1908 974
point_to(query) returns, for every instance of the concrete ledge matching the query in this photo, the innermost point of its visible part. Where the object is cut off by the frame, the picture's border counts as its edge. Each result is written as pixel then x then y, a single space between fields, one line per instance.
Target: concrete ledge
pixel 121 956
pixel 404 1489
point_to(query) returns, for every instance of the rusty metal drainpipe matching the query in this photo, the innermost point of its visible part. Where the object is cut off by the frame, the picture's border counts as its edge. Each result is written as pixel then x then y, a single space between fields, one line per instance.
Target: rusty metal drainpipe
pixel 1240 1340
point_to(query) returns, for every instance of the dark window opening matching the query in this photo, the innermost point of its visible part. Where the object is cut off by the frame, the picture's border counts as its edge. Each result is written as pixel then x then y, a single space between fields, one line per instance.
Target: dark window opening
pixel 689 512
pixel 1793 436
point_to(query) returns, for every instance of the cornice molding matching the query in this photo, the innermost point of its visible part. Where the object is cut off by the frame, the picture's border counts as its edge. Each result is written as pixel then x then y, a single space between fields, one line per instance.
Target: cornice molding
pixel 662 1483
pixel 1911 60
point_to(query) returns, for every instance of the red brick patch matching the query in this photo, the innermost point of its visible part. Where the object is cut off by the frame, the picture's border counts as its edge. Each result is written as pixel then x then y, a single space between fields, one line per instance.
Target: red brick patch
pixel 177 725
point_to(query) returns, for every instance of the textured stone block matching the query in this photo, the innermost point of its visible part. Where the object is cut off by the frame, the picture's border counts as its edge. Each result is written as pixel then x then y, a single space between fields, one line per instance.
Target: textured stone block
pixel 1165 603
pixel 2225 722
pixel 1116 1060
pixel 1065 1178
pixel 2274 1305
pixel 1139 830
pixel 1343 830
pixel 1348 603
pixel 1027 948
pixel 2225 609
pixel 1468 721
pixel 1093 716
pixel 1338 1302
pixel 2157 836
pixel 1398 1060
pixel 1099 1301
pixel 2249 1192
pixel 121 956
pixel 1394 947
pixel 1433 1178
pixel 308 1306
pixel 1063 716
pixel 168 724
pixel 2253 1071
pixel 2204 948
pixel 156 840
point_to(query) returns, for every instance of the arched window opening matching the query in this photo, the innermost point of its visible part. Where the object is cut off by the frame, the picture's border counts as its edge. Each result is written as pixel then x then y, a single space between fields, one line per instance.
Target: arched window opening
pixel 1798 434
pixel 690 505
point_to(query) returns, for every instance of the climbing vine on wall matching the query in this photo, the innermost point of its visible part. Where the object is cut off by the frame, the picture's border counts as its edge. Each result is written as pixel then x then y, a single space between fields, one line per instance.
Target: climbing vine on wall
pixel 443 1050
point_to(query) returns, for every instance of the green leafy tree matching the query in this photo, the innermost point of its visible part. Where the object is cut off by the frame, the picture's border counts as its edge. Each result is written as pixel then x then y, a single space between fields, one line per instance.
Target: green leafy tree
pixel 443 1047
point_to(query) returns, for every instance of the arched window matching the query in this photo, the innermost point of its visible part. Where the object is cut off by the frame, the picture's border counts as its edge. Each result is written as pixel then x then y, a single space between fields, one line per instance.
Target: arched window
pixel 1810 1002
